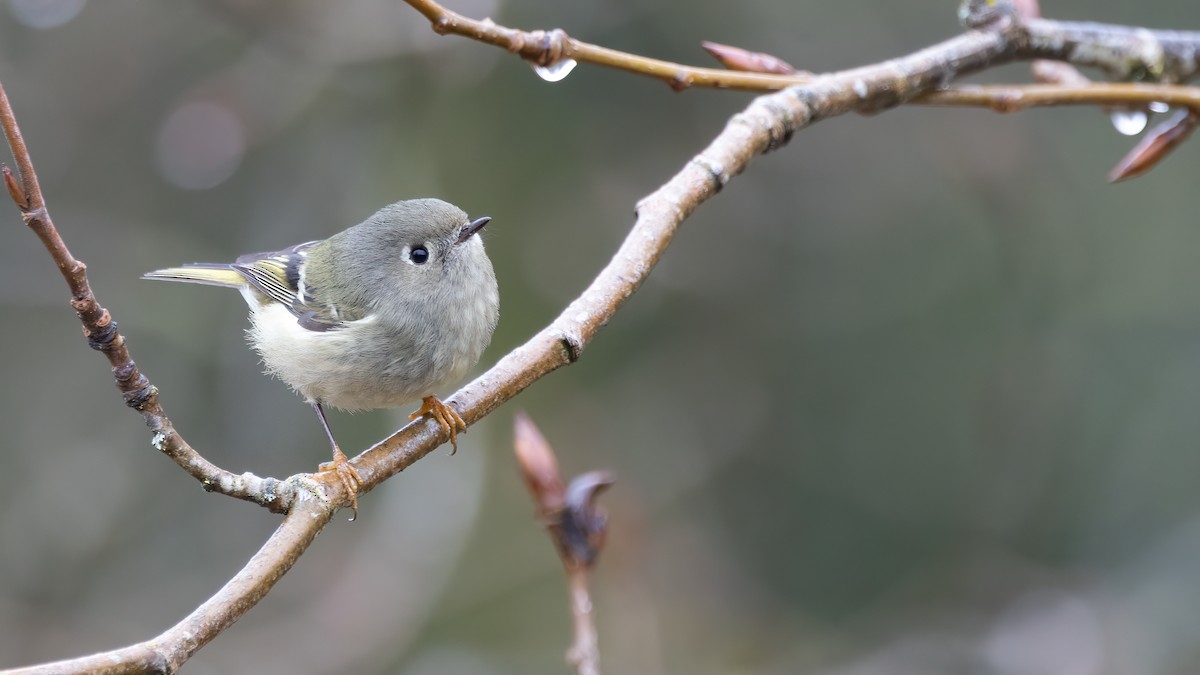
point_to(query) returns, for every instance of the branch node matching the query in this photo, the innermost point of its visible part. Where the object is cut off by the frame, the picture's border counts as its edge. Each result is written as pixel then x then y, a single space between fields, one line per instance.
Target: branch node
pixel 543 48
pixel 100 335
pixel 125 374
pixel 516 42
pixel 556 45
pixel 138 399
pixel 572 343
pixel 810 103
pixel 271 489
pixel 33 215
pixel 303 487
pixel 131 383
pixel 781 125
pixel 680 81
pixel 715 171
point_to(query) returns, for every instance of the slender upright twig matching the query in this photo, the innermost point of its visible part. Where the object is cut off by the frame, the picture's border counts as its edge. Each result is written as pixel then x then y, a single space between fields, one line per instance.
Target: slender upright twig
pixel 576 526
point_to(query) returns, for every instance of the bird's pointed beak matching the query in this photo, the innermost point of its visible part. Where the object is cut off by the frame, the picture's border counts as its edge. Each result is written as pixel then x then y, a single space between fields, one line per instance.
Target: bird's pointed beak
pixel 470 229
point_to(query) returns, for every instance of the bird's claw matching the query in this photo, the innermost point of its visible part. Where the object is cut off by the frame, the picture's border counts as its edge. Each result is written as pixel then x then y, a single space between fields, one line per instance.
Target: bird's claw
pixel 446 417
pixel 347 475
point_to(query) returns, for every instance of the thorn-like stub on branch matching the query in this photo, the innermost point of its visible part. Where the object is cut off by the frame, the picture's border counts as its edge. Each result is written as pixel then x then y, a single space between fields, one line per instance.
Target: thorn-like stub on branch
pixel 14 188
pixel 987 14
pixel 539 468
pixel 680 82
pixel 736 58
pixel 584 523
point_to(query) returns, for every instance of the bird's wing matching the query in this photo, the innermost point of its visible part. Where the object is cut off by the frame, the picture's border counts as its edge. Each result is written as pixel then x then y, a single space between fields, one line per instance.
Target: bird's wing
pixel 279 275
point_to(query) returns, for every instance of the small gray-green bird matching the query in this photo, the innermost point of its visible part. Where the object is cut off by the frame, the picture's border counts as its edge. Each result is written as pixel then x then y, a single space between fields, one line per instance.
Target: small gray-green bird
pixel 373 317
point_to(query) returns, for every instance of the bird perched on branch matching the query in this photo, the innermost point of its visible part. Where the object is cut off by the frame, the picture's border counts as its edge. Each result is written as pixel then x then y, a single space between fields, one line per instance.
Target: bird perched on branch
pixel 375 316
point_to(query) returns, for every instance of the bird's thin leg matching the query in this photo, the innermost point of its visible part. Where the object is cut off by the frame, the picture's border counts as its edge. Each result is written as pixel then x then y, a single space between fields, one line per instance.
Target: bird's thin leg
pixel 340 465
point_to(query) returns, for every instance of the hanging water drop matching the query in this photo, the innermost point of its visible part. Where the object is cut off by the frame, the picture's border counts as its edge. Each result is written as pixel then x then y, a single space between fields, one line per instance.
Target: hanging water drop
pixel 1129 122
pixel 556 71
pixel 1159 107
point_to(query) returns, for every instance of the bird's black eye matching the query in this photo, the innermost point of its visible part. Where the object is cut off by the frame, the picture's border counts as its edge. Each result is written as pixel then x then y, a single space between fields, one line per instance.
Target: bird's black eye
pixel 419 255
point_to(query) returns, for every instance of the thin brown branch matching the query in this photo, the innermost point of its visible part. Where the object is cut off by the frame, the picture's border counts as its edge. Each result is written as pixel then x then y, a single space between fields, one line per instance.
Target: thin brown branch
pixel 584 653
pixel 547 47
pixel 167 652
pixel 102 335
pixel 1010 98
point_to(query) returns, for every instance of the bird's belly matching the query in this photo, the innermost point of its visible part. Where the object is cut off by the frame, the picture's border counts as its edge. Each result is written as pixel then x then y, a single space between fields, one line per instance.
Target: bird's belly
pixel 355 367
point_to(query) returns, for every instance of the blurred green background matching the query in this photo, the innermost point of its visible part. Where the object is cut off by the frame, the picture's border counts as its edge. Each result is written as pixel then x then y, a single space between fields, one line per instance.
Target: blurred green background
pixel 916 394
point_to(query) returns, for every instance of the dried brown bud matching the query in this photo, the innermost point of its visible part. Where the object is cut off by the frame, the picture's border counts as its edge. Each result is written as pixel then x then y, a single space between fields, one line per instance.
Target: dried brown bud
pixel 584 523
pixel 1155 145
pixel 539 467
pixel 576 523
pixel 14 188
pixel 736 58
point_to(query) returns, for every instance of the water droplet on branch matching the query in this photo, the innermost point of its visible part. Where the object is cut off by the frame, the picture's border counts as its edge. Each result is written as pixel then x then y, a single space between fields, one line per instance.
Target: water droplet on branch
pixel 1129 122
pixel 556 71
pixel 1159 107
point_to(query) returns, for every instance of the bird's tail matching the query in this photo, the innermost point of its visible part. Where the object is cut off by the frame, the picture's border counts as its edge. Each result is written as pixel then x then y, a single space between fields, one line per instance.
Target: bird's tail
pixel 211 274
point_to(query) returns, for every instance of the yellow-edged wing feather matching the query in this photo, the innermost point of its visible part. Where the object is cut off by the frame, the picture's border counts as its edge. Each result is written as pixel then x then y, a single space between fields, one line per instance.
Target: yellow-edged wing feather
pixel 276 274
pixel 201 273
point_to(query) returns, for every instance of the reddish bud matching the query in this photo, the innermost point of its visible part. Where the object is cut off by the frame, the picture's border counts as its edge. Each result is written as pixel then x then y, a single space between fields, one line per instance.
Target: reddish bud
pixel 736 58
pixel 14 188
pixel 539 467
pixel 1155 145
